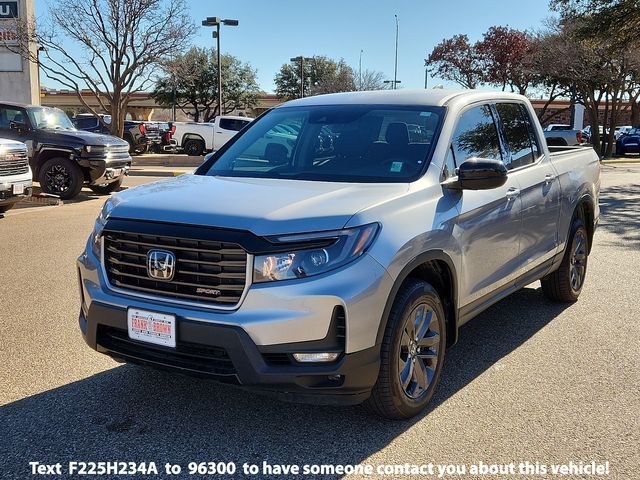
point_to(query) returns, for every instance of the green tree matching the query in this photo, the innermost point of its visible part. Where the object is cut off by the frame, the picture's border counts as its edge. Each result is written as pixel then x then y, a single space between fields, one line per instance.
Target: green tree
pixel 191 81
pixel 321 75
pixel 615 21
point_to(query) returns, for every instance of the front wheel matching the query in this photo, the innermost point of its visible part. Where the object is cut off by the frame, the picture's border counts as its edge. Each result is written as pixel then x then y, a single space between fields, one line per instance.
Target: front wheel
pixel 62 177
pixel 412 353
pixel 565 284
pixel 107 188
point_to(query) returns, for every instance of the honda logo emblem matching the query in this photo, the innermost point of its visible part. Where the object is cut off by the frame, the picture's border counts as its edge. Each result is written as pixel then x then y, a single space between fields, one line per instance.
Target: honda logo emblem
pixel 161 265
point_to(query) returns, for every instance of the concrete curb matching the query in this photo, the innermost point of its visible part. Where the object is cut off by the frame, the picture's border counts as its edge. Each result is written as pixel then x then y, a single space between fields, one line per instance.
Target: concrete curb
pixel 43 200
pixel 619 162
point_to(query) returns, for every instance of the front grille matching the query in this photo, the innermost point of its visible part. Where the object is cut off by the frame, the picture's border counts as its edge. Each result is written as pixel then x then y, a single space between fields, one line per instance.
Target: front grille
pixel 205 271
pixel 190 357
pixel 14 162
pixel 118 152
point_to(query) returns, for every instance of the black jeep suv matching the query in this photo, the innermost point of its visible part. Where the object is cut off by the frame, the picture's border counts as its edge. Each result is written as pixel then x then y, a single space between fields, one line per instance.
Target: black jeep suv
pixel 62 158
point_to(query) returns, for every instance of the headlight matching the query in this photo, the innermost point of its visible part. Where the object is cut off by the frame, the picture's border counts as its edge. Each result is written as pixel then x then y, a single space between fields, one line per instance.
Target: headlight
pixel 101 221
pixel 95 149
pixel 331 250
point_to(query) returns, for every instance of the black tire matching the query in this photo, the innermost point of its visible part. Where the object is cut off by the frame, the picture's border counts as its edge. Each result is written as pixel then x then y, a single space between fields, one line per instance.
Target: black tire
pixel 4 208
pixel 390 398
pixel 565 284
pixel 135 149
pixel 193 147
pixel 62 177
pixel 107 188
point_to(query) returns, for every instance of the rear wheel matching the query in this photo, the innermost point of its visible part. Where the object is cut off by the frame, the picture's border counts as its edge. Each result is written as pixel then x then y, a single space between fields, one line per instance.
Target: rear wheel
pixel 107 188
pixel 61 177
pixel 194 148
pixel 565 284
pixel 412 353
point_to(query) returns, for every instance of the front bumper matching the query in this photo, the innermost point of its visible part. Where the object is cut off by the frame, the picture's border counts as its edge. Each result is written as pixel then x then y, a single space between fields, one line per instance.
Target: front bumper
pixel 258 338
pixel 8 193
pixel 102 171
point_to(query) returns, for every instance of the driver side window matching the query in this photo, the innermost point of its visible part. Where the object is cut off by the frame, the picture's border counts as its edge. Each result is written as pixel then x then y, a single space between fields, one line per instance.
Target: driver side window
pixel 475 135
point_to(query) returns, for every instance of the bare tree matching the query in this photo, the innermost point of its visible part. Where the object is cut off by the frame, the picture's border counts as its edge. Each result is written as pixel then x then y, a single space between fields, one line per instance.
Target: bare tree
pixel 373 80
pixel 106 49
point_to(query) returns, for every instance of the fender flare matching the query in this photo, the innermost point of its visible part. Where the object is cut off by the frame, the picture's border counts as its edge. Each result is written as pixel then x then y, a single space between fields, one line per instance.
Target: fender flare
pixel 192 136
pixel 402 276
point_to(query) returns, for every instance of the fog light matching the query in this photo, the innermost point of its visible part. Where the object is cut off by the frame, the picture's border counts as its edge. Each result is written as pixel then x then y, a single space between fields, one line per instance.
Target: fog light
pixel 315 357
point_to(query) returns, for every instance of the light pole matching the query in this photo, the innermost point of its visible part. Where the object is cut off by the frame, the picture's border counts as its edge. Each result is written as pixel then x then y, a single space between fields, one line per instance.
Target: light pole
pixel 40 49
pixel 360 68
pixel 301 59
pixel 426 74
pixel 216 22
pixel 395 70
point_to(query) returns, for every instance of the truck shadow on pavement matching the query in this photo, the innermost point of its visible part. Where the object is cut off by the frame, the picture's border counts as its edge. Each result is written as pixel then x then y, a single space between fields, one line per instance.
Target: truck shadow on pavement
pixel 131 413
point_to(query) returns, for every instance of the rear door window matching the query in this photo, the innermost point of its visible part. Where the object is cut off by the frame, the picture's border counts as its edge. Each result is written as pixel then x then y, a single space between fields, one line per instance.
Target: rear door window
pixel 518 135
pixel 232 124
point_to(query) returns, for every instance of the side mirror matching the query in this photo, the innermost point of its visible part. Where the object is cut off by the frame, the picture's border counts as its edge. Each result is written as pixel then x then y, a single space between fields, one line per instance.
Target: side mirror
pixel 19 127
pixel 480 174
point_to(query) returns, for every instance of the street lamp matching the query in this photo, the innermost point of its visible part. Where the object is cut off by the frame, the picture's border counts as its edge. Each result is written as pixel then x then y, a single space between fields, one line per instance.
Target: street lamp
pixel 301 59
pixel 216 22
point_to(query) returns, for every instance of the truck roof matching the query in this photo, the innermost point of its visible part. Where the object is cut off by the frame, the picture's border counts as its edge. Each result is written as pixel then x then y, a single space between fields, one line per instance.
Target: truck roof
pixel 435 97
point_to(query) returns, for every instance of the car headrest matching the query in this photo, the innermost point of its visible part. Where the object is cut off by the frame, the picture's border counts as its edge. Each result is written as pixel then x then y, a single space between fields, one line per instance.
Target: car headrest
pixel 397 134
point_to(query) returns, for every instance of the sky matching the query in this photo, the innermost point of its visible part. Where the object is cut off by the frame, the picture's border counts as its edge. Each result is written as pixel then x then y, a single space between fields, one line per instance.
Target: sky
pixel 271 32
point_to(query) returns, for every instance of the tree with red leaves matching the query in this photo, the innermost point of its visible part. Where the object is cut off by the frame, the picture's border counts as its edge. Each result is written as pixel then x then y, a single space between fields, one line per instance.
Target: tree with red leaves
pixel 507 55
pixel 456 60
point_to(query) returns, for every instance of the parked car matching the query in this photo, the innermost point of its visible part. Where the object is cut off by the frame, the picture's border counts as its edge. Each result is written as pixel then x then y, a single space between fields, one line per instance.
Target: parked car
pixel 629 142
pixel 167 142
pixel 553 127
pixel 341 275
pixel 139 135
pixel 62 158
pixel 15 174
pixel 197 138
pixel 563 137
pixel 622 129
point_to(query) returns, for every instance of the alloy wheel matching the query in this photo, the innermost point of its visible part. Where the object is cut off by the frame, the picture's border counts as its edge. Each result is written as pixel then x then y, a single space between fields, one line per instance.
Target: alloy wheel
pixel 578 261
pixel 58 179
pixel 419 346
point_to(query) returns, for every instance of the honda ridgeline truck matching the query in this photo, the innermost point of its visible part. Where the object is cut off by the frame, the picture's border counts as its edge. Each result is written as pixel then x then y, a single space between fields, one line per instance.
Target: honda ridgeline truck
pixel 62 158
pixel 336 263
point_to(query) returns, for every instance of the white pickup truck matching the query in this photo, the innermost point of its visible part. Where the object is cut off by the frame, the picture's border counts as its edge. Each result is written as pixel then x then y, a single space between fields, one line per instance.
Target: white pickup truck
pixel 196 138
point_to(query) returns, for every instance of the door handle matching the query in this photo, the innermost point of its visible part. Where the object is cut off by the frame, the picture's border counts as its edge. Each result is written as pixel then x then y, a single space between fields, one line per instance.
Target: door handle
pixel 512 193
pixel 548 178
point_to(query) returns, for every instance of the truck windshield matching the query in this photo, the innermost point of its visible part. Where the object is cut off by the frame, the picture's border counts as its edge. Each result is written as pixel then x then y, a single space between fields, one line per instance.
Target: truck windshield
pixel 334 143
pixel 43 117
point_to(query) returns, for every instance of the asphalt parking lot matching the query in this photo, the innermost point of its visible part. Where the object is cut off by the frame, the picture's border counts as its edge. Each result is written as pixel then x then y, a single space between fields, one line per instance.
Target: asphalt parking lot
pixel 528 381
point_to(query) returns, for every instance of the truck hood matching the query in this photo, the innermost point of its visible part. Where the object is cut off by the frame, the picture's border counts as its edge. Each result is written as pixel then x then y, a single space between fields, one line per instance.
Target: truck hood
pixel 78 137
pixel 262 206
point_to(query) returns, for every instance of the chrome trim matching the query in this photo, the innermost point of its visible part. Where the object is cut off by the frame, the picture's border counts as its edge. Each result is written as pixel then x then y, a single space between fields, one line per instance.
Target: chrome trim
pixel 171 300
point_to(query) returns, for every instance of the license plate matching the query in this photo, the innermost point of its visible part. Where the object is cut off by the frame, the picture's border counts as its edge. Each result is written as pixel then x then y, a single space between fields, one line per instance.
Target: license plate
pixel 152 327
pixel 18 188
pixel 117 172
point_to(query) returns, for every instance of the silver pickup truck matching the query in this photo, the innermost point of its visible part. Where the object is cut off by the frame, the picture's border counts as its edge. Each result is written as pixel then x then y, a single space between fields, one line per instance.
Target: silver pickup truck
pixel 336 263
